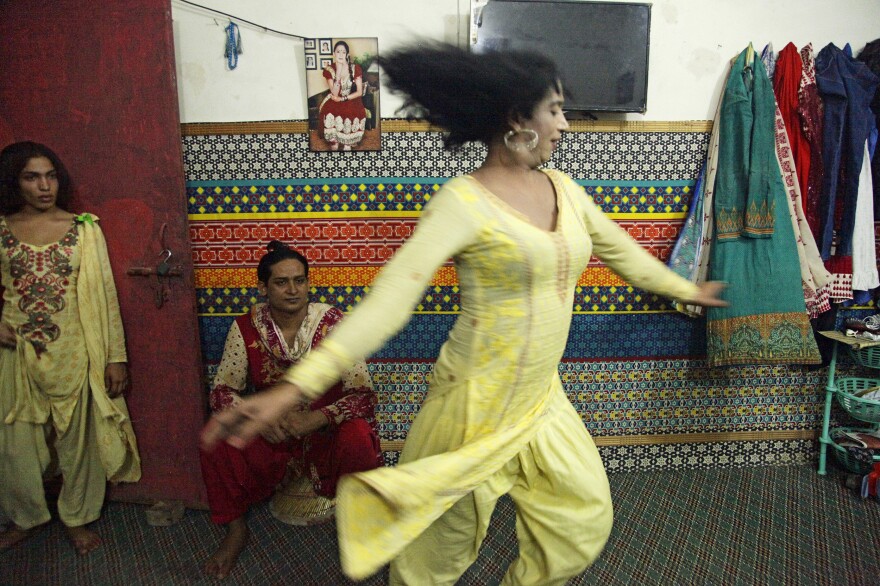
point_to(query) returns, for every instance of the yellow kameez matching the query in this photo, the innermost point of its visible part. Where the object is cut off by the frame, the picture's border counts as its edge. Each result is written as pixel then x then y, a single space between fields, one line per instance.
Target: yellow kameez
pixel 61 300
pixel 496 419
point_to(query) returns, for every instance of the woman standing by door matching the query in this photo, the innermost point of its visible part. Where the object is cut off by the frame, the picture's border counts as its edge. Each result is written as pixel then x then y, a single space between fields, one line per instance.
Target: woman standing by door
pixel 62 354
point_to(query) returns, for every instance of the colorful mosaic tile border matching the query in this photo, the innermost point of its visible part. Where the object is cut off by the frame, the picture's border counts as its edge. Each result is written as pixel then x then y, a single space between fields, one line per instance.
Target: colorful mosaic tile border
pixel 730 454
pixel 358 243
pixel 592 336
pixel 603 156
pixel 355 242
pixel 704 456
pixel 437 299
pixel 650 397
pixel 623 399
pixel 655 336
pixel 216 199
pixel 641 179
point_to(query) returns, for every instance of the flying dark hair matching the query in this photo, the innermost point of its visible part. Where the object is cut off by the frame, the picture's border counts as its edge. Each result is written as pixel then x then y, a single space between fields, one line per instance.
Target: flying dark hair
pixel 13 159
pixel 278 251
pixel 472 96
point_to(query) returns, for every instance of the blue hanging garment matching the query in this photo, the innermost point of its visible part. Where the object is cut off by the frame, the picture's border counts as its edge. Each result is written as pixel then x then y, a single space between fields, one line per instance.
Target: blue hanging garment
pixel 233 45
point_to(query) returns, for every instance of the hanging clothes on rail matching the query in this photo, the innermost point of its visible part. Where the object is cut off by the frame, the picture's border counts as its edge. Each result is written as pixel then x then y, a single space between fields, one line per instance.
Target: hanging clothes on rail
pixel 870 56
pixel 769 58
pixel 744 202
pixel 786 87
pixel 864 256
pixel 691 252
pixel 754 247
pixel 847 88
pixel 811 116
pixel 815 278
pixel 793 155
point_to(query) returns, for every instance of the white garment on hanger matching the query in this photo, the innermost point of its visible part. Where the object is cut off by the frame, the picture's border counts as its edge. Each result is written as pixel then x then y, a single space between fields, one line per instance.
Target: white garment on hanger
pixel 865 275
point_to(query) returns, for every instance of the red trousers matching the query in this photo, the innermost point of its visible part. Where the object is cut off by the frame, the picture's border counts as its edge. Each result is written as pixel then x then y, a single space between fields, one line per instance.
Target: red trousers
pixel 237 479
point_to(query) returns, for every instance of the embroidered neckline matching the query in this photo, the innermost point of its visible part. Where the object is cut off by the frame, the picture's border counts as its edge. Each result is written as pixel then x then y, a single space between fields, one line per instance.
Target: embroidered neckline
pixel 10 239
pixel 509 209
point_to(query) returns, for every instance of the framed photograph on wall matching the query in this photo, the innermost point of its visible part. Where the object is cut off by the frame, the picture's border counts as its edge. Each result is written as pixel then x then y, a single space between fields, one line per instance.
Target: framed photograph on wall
pixel 309 44
pixel 343 96
pixel 311 61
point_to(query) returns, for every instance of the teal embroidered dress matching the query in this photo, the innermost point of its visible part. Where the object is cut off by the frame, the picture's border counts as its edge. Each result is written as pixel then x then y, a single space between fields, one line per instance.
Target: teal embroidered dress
pixel 755 250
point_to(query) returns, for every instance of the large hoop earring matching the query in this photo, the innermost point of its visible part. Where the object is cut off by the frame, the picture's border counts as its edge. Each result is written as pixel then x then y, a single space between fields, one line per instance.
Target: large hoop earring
pixel 519 146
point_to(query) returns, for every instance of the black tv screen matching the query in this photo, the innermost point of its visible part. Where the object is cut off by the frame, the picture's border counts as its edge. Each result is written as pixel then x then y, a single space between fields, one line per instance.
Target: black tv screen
pixel 601 48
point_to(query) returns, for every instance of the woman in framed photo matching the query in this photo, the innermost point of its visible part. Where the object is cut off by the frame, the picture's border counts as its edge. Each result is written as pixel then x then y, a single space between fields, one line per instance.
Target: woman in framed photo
pixel 342 112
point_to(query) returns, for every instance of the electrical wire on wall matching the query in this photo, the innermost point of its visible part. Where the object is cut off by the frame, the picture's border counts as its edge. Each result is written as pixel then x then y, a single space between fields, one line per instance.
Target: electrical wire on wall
pixel 232 16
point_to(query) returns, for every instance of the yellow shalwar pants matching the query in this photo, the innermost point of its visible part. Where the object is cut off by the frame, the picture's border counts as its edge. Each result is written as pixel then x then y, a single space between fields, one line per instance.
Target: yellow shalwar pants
pixel 26 456
pixel 563 513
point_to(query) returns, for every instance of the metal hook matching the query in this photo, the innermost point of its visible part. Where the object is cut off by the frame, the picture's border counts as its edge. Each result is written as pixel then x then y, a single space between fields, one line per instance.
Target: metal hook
pixel 162 236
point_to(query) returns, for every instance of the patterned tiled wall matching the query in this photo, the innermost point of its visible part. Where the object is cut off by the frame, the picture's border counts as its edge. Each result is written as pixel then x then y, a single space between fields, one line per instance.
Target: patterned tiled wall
pixel 633 367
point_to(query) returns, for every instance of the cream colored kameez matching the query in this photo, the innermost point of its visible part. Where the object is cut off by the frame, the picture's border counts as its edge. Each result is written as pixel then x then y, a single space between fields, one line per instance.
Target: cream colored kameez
pixel 496 419
pixel 61 300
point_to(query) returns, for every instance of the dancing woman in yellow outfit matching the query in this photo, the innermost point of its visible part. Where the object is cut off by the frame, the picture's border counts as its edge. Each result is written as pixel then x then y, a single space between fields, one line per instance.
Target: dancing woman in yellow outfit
pixel 496 420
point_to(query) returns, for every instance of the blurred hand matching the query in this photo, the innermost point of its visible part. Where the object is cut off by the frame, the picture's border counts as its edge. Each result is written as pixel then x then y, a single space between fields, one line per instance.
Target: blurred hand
pixel 301 423
pixel 252 416
pixel 709 295
pixel 275 434
pixel 7 336
pixel 115 378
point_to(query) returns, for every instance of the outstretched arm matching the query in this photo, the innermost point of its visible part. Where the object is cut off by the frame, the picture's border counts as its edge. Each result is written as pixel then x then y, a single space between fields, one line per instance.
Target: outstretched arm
pixel 255 415
pixel 616 248
pixel 358 398
pixel 708 295
pixel 231 379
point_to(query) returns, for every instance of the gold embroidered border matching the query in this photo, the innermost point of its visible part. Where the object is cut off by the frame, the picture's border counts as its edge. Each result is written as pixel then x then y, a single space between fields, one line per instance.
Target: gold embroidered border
pixel 764 323
pixel 402 125
pixel 680 438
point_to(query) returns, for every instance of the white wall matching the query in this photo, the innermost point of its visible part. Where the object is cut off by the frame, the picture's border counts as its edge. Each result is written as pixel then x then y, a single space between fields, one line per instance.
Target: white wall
pixel 691 40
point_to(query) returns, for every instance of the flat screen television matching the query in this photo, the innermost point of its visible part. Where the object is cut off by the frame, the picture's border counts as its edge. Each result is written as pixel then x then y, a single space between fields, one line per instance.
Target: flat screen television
pixel 601 47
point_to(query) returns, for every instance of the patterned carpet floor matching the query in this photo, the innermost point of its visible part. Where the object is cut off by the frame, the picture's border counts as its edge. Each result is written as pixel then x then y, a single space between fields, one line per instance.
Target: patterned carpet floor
pixel 770 525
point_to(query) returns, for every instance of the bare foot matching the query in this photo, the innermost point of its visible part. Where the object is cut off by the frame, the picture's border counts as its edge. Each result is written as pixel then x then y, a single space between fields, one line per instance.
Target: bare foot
pixel 334 146
pixel 221 563
pixel 346 147
pixel 83 539
pixel 15 535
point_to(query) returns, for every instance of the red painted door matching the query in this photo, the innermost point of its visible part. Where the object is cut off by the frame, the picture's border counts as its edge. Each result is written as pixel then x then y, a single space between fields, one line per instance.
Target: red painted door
pixel 97 84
